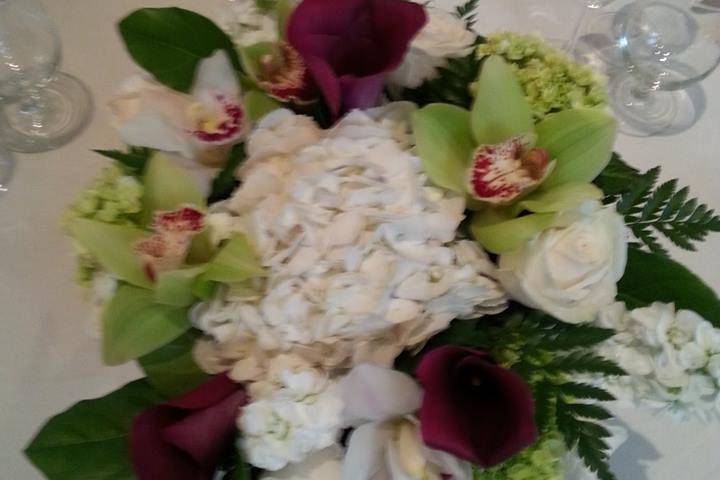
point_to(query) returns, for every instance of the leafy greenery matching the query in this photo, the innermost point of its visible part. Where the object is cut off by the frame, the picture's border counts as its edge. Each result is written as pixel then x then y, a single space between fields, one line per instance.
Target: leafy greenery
pixel 549 355
pixel 89 440
pixel 133 325
pixel 132 162
pixel 225 182
pixel 171 42
pixel 452 84
pixel 650 208
pixel 651 277
pixel 468 12
pixel 171 369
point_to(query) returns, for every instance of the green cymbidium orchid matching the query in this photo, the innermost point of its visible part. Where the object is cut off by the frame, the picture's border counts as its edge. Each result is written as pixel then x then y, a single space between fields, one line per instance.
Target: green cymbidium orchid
pixel 507 166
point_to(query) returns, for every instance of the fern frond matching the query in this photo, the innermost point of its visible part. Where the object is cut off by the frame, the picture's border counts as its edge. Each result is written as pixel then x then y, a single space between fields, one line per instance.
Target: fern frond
pixel 583 362
pixel 468 12
pixel 583 391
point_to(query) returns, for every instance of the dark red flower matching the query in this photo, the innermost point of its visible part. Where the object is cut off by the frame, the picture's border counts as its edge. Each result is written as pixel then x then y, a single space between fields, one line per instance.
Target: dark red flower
pixel 185 438
pixel 349 46
pixel 473 408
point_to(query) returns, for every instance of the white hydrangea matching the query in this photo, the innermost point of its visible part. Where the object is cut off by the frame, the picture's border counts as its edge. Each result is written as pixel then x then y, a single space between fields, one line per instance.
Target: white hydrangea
pixel 672 358
pixel 360 249
pixel 443 36
pixel 286 424
pixel 246 24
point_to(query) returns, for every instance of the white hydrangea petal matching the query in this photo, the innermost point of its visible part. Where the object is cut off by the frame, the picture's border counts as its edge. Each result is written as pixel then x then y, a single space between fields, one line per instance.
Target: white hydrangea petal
pixel 692 356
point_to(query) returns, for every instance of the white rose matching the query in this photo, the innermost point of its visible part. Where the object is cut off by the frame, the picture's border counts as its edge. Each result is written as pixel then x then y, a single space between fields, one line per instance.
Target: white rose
pixel 570 270
pixel 443 36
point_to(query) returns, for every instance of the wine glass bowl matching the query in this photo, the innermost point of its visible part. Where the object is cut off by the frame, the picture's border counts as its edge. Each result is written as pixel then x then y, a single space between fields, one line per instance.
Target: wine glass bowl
pixel 665 49
pixel 40 109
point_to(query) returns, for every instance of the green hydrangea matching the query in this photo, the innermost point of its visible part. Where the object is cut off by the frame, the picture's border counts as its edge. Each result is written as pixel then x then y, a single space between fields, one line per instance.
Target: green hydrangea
pixel 551 81
pixel 112 198
pixel 540 461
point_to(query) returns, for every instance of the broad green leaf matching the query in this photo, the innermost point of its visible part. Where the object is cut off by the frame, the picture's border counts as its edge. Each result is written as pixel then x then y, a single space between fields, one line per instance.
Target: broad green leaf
pixel 171 42
pixel 89 440
pixel 133 325
pixel 171 368
pixel 204 289
pixel 500 110
pixel 175 287
pixel 235 262
pixel 650 277
pixel 112 246
pixel 167 187
pixel 509 235
pixel 257 105
pixel 445 144
pixel 562 197
pixel 581 141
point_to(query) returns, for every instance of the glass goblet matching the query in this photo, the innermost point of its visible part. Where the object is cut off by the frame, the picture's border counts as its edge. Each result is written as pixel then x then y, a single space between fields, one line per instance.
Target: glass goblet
pixel 39 108
pixel 667 49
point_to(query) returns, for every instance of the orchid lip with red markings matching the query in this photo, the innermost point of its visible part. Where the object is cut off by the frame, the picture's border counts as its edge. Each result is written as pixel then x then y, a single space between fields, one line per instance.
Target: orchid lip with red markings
pixel 166 249
pixel 284 75
pixel 228 129
pixel 501 173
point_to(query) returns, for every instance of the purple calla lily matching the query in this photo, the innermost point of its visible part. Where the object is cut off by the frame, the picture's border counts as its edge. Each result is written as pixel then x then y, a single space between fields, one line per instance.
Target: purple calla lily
pixel 185 438
pixel 349 46
pixel 473 408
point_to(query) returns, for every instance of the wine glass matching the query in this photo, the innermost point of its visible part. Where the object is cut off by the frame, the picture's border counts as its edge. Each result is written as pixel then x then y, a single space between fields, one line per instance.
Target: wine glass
pixel 39 108
pixel 7 165
pixel 666 49
pixel 589 6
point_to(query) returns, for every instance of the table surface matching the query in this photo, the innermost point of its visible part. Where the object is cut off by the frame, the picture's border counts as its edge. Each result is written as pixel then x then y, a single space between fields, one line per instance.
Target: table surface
pixel 49 357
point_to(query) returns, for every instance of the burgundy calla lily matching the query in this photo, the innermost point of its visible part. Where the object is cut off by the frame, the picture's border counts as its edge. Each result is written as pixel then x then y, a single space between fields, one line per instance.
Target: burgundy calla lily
pixel 185 438
pixel 349 46
pixel 473 408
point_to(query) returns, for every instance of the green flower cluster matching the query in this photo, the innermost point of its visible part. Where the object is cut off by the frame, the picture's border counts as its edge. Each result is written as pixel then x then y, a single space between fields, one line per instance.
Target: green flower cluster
pixel 112 198
pixel 551 81
pixel 540 461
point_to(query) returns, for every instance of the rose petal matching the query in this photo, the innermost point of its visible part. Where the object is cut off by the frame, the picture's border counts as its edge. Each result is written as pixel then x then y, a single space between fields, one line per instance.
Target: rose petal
pixel 372 393
pixel 482 426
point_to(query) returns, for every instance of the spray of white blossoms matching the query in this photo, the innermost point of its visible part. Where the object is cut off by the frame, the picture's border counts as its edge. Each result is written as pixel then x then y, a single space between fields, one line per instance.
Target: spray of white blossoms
pixel 360 251
pixel 672 359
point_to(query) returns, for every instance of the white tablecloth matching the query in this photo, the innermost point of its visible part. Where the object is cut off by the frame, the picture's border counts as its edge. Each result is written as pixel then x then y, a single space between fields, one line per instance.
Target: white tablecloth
pixel 49 358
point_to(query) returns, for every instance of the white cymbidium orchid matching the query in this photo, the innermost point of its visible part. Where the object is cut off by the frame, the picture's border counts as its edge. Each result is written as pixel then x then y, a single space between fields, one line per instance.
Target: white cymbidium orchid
pixel 147 114
pixel 387 444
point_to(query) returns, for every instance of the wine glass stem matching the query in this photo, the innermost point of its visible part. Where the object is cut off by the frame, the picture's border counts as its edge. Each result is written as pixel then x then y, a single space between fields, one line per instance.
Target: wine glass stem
pixel 576 31
pixel 32 108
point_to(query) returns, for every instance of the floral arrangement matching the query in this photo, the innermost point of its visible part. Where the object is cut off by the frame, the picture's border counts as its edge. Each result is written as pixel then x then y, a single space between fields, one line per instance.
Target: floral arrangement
pixel 413 255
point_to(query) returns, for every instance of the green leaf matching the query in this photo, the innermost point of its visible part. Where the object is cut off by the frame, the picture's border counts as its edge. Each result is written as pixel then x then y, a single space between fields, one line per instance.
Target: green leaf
pixel 500 110
pixel 235 262
pixel 509 235
pixel 581 141
pixel 171 42
pixel 133 325
pixel 583 391
pixel 583 362
pixel 89 440
pixel 225 182
pixel 171 369
pixel 445 144
pixel 113 248
pixel 562 197
pixel 167 187
pixel 258 104
pixel 175 287
pixel 650 277
pixel 284 9
pixel 132 162
pixel 616 177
